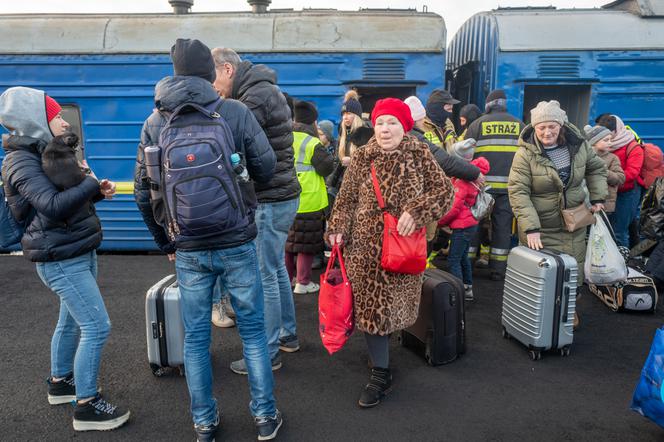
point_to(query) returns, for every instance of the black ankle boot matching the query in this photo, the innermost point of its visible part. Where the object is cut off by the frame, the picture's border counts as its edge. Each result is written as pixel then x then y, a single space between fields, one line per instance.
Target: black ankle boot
pixel 379 385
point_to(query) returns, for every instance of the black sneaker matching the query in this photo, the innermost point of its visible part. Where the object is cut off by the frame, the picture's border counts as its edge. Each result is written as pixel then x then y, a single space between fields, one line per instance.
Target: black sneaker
pixel 206 433
pixel 61 392
pixel 99 415
pixel 289 344
pixel 268 426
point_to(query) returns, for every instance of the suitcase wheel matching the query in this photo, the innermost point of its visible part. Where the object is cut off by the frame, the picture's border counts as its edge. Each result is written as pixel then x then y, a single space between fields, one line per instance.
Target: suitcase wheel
pixel 564 351
pixel 535 355
pixel 157 370
pixel 505 334
pixel 181 370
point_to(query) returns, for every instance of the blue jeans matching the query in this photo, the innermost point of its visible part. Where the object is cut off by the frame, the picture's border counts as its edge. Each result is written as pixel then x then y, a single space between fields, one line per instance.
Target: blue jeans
pixel 627 209
pixel 273 221
pixel 83 325
pixel 457 258
pixel 197 273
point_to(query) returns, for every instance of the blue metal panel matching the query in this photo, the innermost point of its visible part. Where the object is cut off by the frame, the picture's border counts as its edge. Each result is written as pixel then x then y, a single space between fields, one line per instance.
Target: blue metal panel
pixel 627 83
pixel 115 95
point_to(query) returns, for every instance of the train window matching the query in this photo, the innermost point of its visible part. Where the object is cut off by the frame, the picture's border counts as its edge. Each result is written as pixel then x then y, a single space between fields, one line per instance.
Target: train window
pixel 574 99
pixel 71 113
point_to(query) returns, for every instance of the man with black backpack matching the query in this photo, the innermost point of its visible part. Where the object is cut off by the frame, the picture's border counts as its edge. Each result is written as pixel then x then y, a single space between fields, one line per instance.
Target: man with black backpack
pixel 201 207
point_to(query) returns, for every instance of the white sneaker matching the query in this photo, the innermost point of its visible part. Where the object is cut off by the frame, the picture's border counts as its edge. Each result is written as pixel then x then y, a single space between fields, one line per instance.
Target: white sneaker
pixel 303 289
pixel 219 316
pixel 228 307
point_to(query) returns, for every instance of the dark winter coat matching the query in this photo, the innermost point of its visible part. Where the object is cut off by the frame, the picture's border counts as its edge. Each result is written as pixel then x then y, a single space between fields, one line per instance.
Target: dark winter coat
pixel 451 165
pixel 61 224
pixel 255 86
pixel 306 233
pixel 537 194
pixel 249 139
pixel 410 180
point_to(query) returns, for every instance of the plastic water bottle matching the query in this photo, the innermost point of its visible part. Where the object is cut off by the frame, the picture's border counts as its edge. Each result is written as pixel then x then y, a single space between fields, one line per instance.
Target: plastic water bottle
pixel 239 168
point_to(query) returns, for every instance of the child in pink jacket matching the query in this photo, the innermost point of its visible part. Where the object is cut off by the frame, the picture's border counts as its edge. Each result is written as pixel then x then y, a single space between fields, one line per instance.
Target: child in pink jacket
pixel 460 218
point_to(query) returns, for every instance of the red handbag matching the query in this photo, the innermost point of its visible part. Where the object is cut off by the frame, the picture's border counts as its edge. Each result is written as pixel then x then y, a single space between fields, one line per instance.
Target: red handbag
pixel 335 304
pixel 401 254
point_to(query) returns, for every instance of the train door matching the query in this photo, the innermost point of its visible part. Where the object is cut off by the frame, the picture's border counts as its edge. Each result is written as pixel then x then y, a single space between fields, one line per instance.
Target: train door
pixel 369 95
pixel 573 99
pixel 464 83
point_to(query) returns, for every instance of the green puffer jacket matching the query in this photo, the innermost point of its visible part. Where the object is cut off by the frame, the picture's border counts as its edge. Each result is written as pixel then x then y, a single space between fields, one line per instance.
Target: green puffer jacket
pixel 537 194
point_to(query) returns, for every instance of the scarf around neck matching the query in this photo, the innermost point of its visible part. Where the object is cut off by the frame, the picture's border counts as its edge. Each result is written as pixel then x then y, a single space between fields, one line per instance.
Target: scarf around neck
pixel 622 136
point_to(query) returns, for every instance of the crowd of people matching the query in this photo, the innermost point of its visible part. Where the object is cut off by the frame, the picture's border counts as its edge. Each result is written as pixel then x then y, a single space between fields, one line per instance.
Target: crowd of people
pixel 309 189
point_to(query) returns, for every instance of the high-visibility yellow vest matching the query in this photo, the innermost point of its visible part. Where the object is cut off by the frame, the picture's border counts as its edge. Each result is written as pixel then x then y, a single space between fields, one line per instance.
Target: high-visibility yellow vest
pixel 433 138
pixel 314 193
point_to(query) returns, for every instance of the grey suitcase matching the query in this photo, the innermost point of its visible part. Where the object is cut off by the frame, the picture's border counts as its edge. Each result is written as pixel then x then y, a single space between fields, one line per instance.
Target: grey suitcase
pixel 539 300
pixel 164 327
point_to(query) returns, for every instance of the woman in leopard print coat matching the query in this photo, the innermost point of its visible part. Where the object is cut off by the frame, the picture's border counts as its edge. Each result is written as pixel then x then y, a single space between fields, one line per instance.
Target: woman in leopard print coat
pixel 416 190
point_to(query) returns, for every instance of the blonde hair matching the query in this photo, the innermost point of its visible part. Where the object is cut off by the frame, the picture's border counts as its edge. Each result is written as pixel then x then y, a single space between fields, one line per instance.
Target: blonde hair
pixel 357 122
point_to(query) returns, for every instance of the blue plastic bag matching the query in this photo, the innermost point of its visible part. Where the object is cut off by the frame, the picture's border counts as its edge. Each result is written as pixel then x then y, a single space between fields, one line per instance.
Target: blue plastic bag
pixel 648 398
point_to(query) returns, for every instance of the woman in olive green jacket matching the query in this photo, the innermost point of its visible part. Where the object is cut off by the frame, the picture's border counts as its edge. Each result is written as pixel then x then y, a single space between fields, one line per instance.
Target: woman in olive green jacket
pixel 546 177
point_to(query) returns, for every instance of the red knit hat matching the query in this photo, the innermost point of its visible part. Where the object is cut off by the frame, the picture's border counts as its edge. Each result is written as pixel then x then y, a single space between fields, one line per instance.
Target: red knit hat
pixel 52 108
pixel 396 108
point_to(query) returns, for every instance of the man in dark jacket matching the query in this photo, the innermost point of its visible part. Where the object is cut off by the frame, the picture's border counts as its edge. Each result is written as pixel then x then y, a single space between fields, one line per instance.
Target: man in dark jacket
pixel 255 86
pixel 497 134
pixel 230 255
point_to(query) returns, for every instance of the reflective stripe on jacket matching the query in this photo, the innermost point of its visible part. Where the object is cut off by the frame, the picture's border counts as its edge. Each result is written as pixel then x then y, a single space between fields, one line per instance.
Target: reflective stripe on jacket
pixel 314 193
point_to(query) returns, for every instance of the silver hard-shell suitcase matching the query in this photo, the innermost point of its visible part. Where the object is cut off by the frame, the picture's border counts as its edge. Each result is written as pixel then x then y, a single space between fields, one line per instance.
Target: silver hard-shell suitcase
pixel 539 300
pixel 164 327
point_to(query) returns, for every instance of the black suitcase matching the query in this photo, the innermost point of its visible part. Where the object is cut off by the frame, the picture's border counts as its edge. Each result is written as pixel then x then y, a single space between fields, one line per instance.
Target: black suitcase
pixel 441 322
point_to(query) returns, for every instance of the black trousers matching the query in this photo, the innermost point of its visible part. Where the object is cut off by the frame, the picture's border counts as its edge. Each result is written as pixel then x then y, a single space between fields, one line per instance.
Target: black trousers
pixel 501 233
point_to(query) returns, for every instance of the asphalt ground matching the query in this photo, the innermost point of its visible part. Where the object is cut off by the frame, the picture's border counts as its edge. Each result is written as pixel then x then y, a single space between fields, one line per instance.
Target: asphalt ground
pixel 493 393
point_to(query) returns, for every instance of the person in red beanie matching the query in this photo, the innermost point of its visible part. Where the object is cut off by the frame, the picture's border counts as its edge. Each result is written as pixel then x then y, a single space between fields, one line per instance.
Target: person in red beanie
pixel 61 234
pixel 417 192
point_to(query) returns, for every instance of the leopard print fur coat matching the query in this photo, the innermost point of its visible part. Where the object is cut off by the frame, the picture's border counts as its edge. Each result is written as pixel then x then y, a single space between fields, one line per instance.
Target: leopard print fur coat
pixel 410 180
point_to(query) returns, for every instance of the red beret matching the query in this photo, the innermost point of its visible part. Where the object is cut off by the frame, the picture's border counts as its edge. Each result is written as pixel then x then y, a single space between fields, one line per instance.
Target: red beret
pixel 396 108
pixel 52 108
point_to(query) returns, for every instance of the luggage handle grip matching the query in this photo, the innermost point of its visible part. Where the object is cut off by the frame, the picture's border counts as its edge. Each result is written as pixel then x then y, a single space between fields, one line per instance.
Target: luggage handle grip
pixel 566 307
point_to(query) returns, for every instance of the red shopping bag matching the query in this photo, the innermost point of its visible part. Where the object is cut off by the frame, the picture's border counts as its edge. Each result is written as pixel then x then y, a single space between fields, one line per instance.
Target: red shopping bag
pixel 335 304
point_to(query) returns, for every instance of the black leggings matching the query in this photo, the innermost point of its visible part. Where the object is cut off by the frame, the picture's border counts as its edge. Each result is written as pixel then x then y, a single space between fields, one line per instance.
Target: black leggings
pixel 379 349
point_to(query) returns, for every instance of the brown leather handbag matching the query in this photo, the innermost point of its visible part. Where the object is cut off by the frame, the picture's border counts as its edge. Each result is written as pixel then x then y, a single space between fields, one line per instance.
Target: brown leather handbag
pixel 578 217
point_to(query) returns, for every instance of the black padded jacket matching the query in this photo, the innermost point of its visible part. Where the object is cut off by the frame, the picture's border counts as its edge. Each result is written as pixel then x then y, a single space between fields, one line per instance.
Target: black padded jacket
pixel 60 224
pixel 249 139
pixel 255 86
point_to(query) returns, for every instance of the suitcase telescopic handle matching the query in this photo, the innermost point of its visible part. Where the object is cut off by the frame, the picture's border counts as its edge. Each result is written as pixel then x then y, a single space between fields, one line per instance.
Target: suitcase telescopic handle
pixel 566 294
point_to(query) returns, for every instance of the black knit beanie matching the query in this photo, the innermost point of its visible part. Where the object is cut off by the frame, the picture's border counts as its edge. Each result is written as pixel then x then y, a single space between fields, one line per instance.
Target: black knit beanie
pixel 305 112
pixel 192 58
pixel 496 94
pixel 353 106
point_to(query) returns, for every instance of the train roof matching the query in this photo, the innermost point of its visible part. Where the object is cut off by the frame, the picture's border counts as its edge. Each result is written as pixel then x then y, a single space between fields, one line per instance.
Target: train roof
pixel 550 29
pixel 305 31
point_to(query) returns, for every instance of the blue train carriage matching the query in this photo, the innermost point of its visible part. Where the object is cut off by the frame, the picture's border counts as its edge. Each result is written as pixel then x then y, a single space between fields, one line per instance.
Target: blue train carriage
pixel 590 60
pixel 103 69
